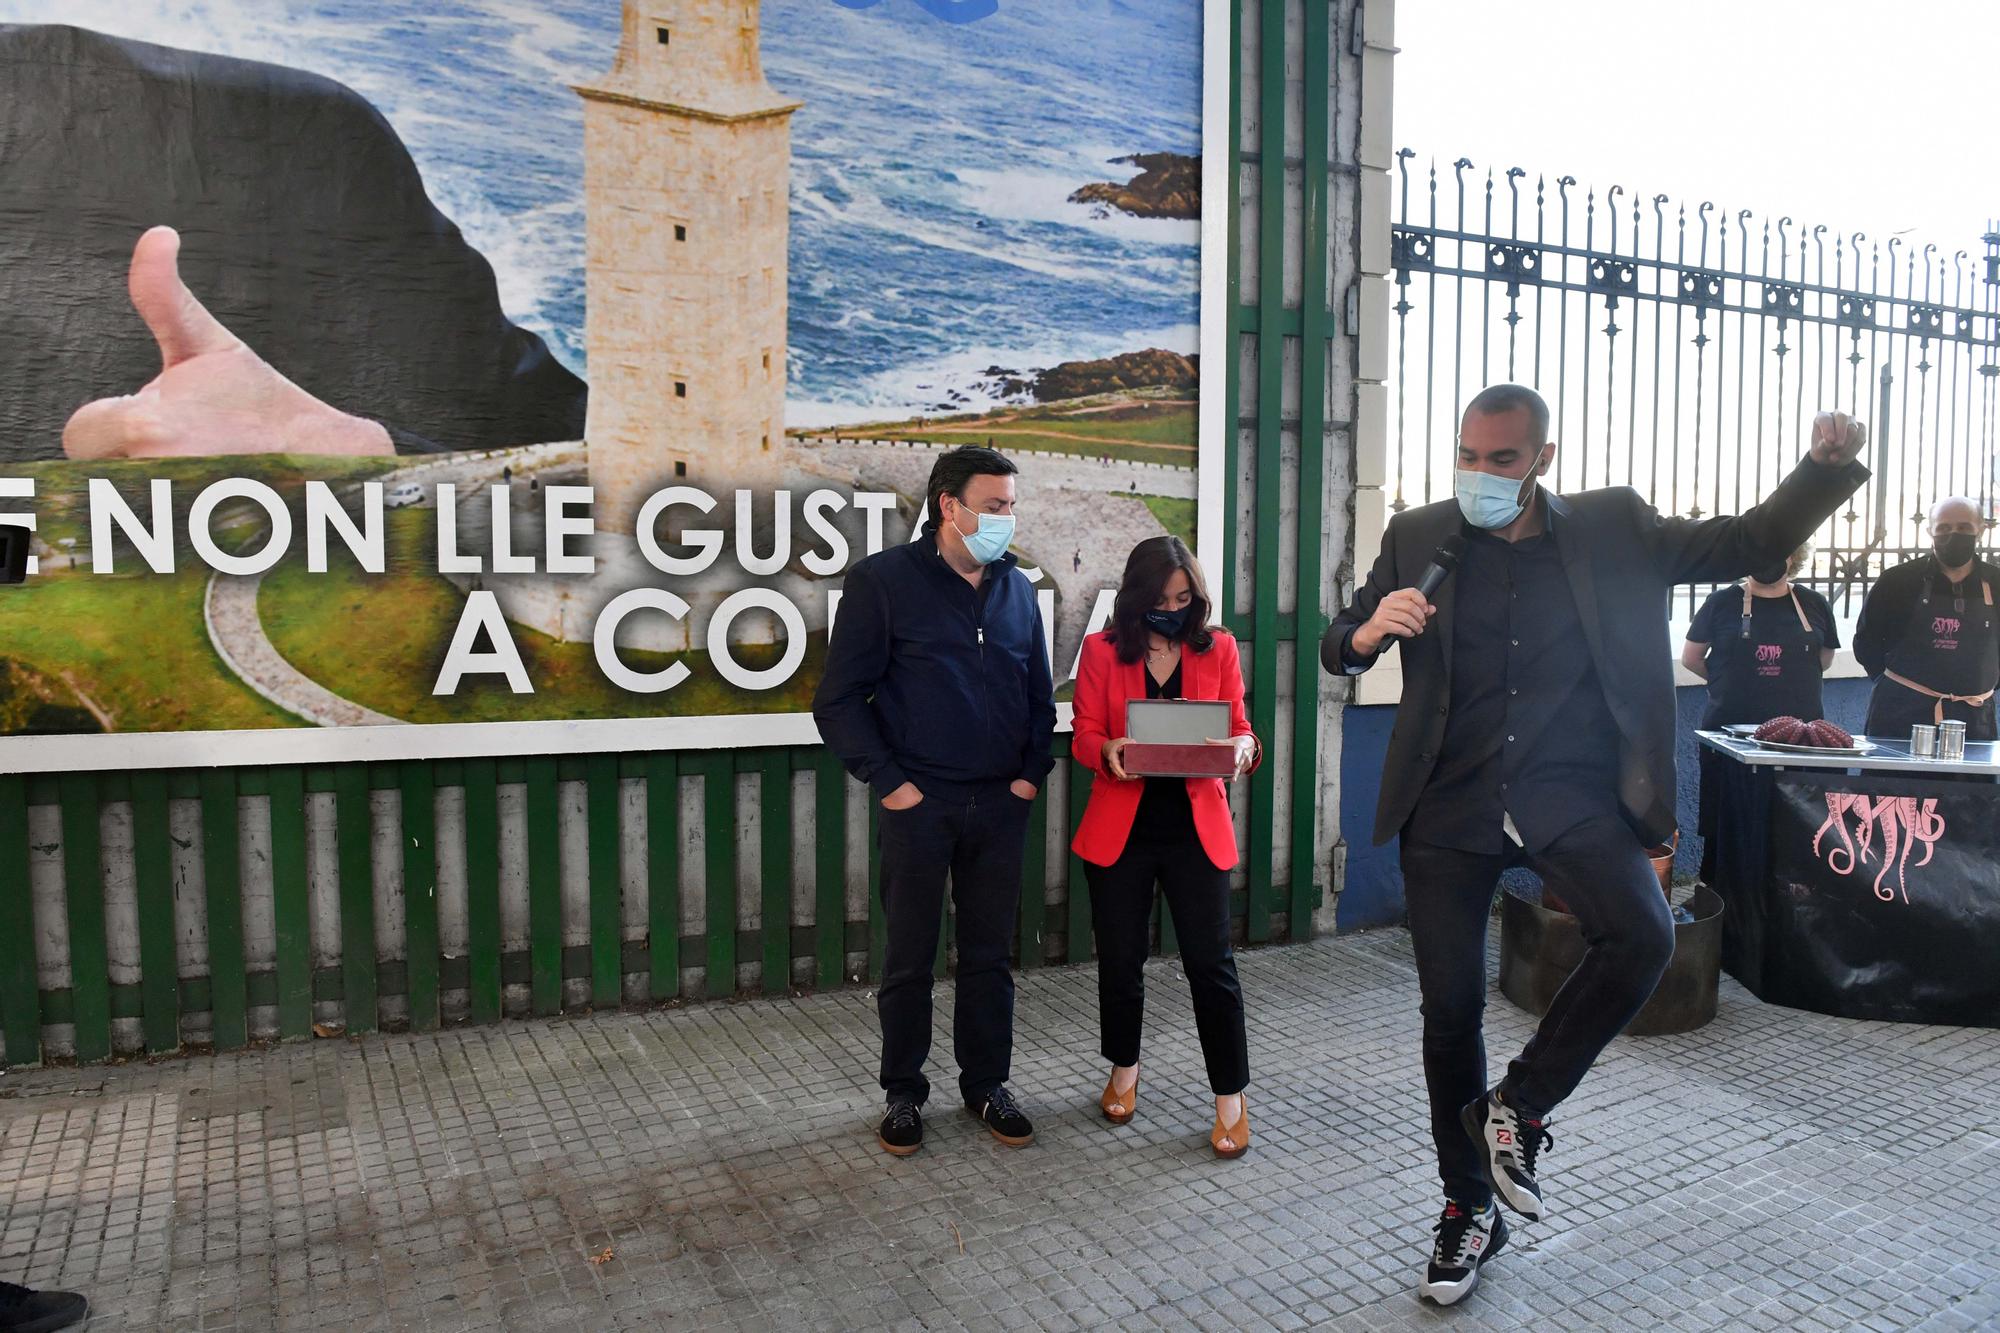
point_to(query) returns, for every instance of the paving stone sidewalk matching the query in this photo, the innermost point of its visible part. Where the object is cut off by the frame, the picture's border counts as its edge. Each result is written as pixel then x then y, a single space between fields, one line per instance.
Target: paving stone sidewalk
pixel 713 1167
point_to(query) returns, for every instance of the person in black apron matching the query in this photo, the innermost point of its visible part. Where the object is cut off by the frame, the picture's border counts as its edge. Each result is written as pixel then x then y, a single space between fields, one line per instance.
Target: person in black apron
pixel 1763 646
pixel 1930 636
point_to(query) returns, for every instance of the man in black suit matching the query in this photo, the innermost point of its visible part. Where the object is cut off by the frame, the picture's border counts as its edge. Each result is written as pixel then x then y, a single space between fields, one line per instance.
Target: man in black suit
pixel 1537 727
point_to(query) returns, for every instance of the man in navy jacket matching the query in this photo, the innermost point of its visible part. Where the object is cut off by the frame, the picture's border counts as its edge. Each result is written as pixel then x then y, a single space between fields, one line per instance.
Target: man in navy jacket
pixel 936 693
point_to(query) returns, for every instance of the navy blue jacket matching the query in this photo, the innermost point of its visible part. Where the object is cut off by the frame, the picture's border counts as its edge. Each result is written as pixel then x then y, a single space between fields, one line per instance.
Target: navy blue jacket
pixel 929 680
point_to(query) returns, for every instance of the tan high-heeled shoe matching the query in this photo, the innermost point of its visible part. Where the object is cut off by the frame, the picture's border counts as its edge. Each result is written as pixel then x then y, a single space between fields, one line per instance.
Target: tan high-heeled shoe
pixel 1238 1134
pixel 1119 1107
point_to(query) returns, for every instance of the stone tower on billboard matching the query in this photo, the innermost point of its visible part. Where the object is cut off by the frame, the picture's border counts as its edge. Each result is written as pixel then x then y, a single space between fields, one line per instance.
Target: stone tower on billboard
pixel 687 176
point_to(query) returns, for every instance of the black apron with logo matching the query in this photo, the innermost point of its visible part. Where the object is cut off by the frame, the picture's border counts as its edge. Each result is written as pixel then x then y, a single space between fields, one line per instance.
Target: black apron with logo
pixel 1951 647
pixel 1768 666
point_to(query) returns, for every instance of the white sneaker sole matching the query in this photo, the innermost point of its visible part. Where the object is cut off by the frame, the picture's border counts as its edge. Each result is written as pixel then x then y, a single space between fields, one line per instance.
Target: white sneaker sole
pixel 1449 1293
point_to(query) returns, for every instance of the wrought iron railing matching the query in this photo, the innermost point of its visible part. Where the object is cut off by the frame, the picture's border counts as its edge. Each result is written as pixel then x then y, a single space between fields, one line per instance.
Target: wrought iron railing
pixel 1684 350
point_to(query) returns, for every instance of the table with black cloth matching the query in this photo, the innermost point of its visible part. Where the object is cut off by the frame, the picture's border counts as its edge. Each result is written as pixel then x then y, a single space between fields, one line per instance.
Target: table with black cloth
pixel 1860 886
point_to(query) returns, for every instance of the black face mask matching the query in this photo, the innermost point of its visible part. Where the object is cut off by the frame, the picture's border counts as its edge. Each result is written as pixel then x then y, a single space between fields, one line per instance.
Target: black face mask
pixel 1172 624
pixel 1957 548
pixel 1770 573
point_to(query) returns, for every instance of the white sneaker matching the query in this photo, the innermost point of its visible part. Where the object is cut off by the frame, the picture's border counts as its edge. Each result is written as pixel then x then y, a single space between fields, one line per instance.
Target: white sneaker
pixel 1508 1143
pixel 1465 1241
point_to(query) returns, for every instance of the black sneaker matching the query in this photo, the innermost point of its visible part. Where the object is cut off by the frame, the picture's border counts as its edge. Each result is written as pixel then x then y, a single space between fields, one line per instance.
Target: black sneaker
pixel 902 1131
pixel 25 1311
pixel 1508 1143
pixel 1002 1117
pixel 1465 1241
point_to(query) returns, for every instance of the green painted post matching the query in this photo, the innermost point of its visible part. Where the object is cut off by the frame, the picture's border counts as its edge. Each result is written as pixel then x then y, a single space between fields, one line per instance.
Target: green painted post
pixel 1307 616
pixel 878 922
pixel 1270 406
pixel 291 908
pixel 606 889
pixel 545 937
pixel 663 874
pixel 1077 948
pixel 829 870
pixel 482 889
pixel 222 876
pixel 152 864
pixel 420 910
pixel 20 1001
pixel 1035 882
pixel 357 896
pixel 719 820
pixel 1232 388
pixel 775 911
pixel 83 878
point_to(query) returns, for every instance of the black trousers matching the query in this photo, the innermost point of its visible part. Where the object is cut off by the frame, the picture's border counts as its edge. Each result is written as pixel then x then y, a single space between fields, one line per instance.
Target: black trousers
pixel 977 845
pixel 1121 909
pixel 1604 877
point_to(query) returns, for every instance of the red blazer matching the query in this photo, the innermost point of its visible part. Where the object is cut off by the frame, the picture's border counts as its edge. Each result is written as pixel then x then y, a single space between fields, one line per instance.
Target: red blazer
pixel 1103 685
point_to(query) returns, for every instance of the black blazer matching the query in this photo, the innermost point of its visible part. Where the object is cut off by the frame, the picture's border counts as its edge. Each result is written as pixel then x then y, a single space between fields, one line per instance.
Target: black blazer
pixel 1623 559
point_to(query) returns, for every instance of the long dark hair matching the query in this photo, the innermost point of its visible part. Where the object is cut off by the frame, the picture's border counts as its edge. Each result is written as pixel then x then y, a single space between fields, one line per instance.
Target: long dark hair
pixel 1147 570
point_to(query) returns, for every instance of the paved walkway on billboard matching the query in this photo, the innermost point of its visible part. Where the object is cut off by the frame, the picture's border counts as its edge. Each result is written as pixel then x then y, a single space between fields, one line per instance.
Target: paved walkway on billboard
pixel 237 633
pixel 714 1167
pixel 1080 517
pixel 239 639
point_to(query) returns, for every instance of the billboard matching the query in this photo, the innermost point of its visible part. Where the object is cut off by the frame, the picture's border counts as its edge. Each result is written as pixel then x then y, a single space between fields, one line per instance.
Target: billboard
pixel 393 379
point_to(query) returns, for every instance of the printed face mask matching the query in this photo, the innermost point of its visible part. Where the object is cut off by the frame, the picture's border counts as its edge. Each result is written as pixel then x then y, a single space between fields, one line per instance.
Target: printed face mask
pixel 1172 624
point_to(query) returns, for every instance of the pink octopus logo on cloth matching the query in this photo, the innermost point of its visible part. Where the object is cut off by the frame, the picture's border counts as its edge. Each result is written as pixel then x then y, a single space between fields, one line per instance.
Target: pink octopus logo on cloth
pixel 1903 822
pixel 1770 659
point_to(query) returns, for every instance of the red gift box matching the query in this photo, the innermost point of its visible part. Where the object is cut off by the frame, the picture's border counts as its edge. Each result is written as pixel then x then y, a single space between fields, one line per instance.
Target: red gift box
pixel 1177 761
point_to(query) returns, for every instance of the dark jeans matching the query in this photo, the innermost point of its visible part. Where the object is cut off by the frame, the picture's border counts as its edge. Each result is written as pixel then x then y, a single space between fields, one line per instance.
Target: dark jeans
pixel 1602 874
pixel 977 844
pixel 1121 907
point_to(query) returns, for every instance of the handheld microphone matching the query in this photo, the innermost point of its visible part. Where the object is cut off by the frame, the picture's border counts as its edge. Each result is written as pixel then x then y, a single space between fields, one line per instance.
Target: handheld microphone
pixel 1443 561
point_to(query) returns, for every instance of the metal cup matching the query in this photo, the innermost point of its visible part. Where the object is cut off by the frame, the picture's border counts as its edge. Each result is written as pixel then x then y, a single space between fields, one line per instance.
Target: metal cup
pixel 1951 741
pixel 1923 742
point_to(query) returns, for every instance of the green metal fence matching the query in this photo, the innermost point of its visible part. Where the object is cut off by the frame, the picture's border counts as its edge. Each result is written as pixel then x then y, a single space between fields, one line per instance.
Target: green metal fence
pixel 1276 610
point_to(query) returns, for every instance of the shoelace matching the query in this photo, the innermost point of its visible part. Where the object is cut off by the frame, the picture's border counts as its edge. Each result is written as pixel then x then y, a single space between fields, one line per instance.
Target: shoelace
pixel 1530 1137
pixel 1454 1230
pixel 1534 1136
pixel 902 1115
pixel 1000 1104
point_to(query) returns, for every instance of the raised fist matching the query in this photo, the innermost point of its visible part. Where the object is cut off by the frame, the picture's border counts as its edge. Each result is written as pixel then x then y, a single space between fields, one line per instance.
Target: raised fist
pixel 1837 438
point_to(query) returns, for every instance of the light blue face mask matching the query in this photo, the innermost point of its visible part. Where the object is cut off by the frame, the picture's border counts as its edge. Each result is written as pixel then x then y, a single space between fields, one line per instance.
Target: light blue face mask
pixel 990 542
pixel 1492 502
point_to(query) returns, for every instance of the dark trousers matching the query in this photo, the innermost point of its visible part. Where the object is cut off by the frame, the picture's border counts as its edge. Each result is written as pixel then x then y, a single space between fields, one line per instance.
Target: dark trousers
pixel 1121 909
pixel 1602 874
pixel 977 845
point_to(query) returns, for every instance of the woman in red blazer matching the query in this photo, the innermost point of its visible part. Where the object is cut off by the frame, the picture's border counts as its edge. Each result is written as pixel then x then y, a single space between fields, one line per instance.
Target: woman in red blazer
pixel 1173 833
